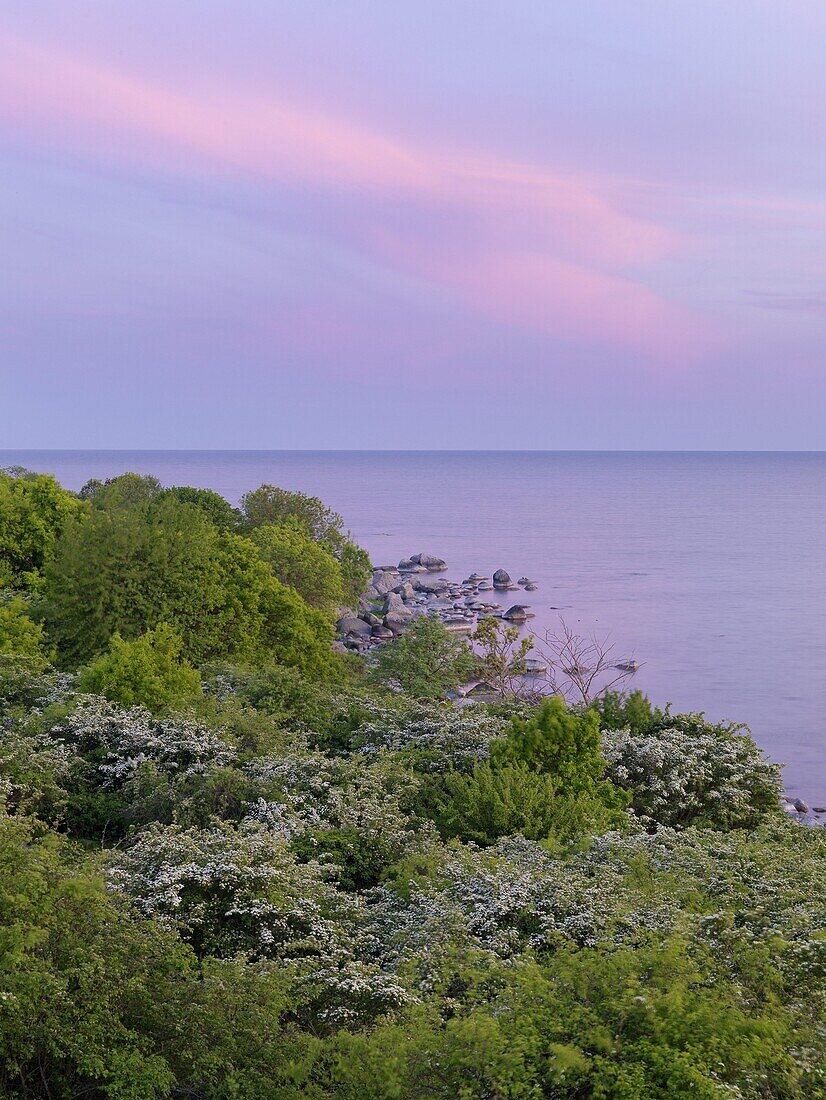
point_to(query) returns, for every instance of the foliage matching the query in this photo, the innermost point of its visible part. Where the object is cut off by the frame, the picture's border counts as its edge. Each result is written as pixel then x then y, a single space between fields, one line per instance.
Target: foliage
pixel 302 564
pixel 427 661
pixel 632 711
pixel 149 671
pixel 218 510
pixel 20 634
pixel 557 741
pixel 270 505
pixel 434 738
pixel 355 571
pixel 33 511
pixel 685 770
pixel 502 656
pixel 129 567
pixel 494 802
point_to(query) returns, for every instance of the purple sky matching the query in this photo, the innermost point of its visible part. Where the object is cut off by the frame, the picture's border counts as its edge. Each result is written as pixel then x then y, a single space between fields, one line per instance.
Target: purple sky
pixel 329 223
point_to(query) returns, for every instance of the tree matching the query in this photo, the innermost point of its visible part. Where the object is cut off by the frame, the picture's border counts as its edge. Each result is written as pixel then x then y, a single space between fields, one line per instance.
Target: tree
pixel 20 635
pixel 148 671
pixel 213 505
pixel 34 509
pixel 494 802
pixel 270 505
pixel 301 563
pixel 580 668
pixel 501 656
pixel 355 571
pixel 426 661
pixel 125 489
pixel 131 566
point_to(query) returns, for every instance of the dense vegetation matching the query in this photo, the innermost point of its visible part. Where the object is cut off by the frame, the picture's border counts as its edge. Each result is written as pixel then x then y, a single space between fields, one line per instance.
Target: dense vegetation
pixel 238 865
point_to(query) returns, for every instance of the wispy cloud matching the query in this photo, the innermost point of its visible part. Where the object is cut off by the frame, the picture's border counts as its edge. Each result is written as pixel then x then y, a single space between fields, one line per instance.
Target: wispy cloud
pixel 556 251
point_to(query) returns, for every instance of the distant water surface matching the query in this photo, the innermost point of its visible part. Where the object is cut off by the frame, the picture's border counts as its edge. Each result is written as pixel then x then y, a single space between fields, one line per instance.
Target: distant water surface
pixel 708 568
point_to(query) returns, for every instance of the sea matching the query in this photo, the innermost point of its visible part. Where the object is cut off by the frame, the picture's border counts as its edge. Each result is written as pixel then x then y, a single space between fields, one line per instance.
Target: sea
pixel 709 569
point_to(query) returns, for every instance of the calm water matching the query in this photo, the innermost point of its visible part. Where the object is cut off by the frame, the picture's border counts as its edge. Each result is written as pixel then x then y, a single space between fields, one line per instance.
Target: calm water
pixel 709 568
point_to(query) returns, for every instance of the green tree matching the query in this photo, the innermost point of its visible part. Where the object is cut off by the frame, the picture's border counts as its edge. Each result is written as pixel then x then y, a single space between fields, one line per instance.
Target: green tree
pixel 494 802
pixel 220 511
pixel 426 661
pixel 301 563
pixel 270 505
pixel 148 671
pixel 131 566
pixel 125 489
pixel 501 656
pixel 20 635
pixel 34 509
pixel 355 571
pixel 557 741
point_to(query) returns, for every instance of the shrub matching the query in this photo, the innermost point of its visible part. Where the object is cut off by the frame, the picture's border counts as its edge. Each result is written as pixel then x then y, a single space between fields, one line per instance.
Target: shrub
pixel 688 771
pixel 147 672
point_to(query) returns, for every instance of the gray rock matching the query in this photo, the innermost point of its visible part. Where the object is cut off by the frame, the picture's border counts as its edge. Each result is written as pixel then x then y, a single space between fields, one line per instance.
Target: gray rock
pixel 383 633
pixel 516 614
pixel 406 565
pixel 384 582
pixel 371 593
pixel 432 564
pixel 484 586
pixel 353 626
pixel 397 623
pixel 394 605
pixel 405 590
pixel 373 620
pixel 801 806
pixel 501 579
pixel 530 587
pixel 430 584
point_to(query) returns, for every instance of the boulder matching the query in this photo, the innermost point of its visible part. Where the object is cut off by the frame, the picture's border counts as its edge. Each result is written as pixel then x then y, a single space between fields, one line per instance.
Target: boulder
pixel 407 565
pixel 384 582
pixel 396 623
pixel 430 584
pixel 353 627
pixel 405 590
pixel 485 586
pixel 801 806
pixel 501 579
pixel 530 587
pixel 383 633
pixel 394 605
pixel 431 564
pixel 516 614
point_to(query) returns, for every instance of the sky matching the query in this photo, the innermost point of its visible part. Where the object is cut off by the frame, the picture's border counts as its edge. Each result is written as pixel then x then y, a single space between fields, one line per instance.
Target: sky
pixel 441 224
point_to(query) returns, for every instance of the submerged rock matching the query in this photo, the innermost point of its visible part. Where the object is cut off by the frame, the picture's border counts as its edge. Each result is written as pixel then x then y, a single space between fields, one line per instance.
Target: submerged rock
pixel 501 579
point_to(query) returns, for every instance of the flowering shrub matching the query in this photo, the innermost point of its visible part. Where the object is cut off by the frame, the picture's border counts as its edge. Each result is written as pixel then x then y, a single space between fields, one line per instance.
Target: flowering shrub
pixel 129 740
pixel 435 738
pixel 689 771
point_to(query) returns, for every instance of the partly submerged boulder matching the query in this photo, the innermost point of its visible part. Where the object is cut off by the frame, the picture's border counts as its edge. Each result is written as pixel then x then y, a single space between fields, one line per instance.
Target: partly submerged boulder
pixel 502 579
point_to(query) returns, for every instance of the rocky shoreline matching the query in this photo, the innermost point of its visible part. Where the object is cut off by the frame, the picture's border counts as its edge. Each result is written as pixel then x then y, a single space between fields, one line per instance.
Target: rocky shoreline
pixel 398 594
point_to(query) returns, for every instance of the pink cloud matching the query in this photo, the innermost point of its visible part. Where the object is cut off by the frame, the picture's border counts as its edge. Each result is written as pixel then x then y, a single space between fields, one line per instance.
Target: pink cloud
pixel 557 252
